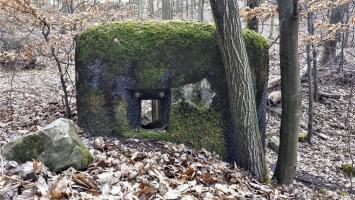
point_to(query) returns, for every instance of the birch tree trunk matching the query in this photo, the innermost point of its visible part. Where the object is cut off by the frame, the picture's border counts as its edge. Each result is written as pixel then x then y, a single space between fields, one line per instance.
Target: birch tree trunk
pixel 247 147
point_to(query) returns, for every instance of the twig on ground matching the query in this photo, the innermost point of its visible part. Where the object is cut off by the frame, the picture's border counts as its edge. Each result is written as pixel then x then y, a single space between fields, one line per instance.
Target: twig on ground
pixel 2 164
pixel 18 180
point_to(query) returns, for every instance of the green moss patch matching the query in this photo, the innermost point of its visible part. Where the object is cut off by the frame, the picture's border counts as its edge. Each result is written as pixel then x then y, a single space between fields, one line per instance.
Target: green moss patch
pixel 323 191
pixel 148 134
pixel 302 137
pixel 348 170
pixel 197 127
pixel 20 151
pixel 150 48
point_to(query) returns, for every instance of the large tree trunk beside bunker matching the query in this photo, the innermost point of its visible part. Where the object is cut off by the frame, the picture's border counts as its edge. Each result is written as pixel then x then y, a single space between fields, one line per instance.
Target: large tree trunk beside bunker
pixel 248 150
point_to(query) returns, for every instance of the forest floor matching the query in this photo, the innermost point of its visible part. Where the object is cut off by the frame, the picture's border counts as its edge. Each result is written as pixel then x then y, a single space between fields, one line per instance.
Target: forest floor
pixel 30 99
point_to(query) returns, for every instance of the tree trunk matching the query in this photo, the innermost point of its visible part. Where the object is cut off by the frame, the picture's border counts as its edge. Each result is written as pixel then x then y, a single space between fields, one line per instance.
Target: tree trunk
pixel 158 4
pixel 341 56
pixel 201 5
pixel 180 6
pixel 151 8
pixel 315 75
pixel 329 53
pixel 192 9
pixel 187 8
pixel 291 91
pixel 310 17
pixel 272 22
pixel 140 9
pixel 253 23
pixel 166 10
pixel 310 94
pixel 344 36
pixel 247 150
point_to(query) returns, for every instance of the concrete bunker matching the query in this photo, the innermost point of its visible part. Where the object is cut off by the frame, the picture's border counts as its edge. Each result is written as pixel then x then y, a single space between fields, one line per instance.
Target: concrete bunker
pixel 175 65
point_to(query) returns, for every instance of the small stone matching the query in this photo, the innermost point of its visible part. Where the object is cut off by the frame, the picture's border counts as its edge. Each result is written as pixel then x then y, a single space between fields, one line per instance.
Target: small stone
pixel 3 125
pixel 99 143
pixel 23 131
pixel 115 190
pixel 172 194
pixel 11 165
pixel 104 177
pixel 26 171
pixel 138 156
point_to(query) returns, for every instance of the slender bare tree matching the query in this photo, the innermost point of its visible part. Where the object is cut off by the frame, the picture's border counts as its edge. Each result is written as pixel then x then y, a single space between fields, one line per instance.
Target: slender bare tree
pixel 290 90
pixel 167 10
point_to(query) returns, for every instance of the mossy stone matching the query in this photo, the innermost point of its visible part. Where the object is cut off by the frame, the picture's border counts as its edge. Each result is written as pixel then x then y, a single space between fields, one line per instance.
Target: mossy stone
pixel 57 145
pixel 19 151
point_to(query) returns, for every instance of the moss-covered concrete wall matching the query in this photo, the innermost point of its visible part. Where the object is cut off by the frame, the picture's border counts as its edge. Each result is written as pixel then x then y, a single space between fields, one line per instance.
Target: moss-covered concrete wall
pixel 115 60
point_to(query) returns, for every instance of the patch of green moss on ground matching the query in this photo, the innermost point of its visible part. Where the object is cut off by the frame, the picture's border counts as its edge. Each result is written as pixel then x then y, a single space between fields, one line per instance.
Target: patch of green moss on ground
pixel 148 134
pixel 302 137
pixel 348 169
pixel 344 194
pixel 322 190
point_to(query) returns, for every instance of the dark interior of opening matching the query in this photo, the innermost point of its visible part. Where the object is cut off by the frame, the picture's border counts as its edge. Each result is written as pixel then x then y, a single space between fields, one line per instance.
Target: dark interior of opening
pixel 151 114
pixel 148 108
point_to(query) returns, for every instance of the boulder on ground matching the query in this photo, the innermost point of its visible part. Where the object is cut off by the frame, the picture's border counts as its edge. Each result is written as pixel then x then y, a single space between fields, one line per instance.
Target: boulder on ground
pixel 57 145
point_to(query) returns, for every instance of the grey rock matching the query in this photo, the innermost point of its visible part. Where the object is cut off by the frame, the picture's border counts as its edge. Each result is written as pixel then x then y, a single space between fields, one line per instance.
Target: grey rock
pixel 26 171
pixel 57 145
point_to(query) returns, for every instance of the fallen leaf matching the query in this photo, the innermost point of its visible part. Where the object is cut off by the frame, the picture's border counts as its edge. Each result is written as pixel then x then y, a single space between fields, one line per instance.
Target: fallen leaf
pixel 83 180
pixel 207 179
pixel 37 167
